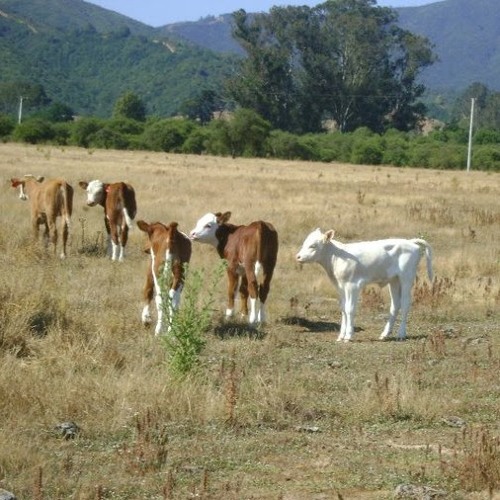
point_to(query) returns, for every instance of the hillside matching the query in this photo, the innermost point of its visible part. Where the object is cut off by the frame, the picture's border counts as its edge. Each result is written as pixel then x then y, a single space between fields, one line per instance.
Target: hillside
pixel 465 34
pixel 87 57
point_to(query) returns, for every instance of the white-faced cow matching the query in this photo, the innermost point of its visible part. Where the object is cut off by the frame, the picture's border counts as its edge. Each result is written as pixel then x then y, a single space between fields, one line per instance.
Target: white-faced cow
pixel 49 199
pixel 351 266
pixel 251 253
pixel 120 208
pixel 170 251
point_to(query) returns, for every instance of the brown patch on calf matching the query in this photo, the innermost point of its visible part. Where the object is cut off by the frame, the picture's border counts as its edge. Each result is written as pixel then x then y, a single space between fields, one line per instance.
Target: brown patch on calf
pixel 245 246
pixel 163 238
pixel 115 198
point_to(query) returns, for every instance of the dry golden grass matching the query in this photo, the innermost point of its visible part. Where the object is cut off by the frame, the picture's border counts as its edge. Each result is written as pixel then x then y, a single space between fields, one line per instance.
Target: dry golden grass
pixel 288 413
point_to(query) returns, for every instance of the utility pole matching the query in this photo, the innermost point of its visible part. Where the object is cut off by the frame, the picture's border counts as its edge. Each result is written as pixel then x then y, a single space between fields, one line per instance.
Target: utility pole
pixel 471 126
pixel 20 113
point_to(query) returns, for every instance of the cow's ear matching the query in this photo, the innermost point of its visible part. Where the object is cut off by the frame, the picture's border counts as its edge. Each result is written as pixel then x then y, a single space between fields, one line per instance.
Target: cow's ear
pixel 329 235
pixel 40 178
pixel 143 226
pixel 15 182
pixel 174 226
pixel 83 184
pixel 224 217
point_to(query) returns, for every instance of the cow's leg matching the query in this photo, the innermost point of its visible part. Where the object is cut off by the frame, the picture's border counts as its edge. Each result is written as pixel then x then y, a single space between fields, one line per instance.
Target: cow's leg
pixel 232 284
pixel 65 233
pixel 395 291
pixel 405 308
pixel 123 241
pixel 244 296
pixel 264 288
pixel 52 231
pixel 351 300
pixel 148 294
pixel 115 242
pixel 159 310
pixel 253 289
pixel 343 321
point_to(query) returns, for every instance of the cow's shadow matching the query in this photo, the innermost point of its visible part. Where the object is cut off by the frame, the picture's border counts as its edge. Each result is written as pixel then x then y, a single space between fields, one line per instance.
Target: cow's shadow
pixel 313 325
pixel 227 329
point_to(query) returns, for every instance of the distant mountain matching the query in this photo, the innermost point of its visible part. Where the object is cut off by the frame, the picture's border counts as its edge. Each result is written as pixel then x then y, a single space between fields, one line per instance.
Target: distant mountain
pixel 86 57
pixel 465 34
pixel 211 32
pixel 49 16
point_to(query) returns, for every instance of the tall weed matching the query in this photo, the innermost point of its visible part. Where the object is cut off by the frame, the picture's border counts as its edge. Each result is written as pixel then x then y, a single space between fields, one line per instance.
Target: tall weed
pixel 184 330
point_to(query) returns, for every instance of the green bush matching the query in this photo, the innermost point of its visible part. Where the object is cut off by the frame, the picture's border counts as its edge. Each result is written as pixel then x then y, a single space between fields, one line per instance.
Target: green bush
pixel 83 130
pixel 7 125
pixel 247 133
pixel 197 142
pixel 486 158
pixel 367 151
pixel 34 131
pixel 218 142
pixel 106 138
pixel 449 157
pixel 396 146
pixel 62 133
pixel 168 135
pixel 289 146
pixel 487 136
pixel 123 125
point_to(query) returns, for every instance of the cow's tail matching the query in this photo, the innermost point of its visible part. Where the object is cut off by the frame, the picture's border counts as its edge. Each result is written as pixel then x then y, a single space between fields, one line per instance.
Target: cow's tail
pixel 129 205
pixel 428 254
pixel 67 204
pixel 128 219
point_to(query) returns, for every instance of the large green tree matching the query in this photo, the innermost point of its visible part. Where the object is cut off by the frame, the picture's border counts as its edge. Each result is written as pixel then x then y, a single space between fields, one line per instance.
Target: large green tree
pixel 344 60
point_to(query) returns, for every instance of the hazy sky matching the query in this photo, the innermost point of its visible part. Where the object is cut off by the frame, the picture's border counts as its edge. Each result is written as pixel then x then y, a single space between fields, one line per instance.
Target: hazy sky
pixel 161 12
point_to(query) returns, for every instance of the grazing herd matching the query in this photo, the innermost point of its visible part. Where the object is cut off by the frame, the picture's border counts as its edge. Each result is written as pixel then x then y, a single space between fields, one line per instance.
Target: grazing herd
pixel 250 251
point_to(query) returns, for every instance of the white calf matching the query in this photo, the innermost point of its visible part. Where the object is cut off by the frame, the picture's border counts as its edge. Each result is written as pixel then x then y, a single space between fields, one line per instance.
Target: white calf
pixel 351 266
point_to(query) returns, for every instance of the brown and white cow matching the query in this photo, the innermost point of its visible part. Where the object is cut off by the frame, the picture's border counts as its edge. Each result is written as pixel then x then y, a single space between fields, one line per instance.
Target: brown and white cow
pixel 49 199
pixel 251 253
pixel 120 208
pixel 170 251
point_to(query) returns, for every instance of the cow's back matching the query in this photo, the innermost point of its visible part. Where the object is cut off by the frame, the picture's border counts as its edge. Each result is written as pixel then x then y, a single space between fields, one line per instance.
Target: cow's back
pixel 257 241
pixel 55 198
pixel 120 195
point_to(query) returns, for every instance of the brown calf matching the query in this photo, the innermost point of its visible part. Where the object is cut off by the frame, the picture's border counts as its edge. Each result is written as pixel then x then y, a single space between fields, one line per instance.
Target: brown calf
pixel 250 251
pixel 119 204
pixel 171 250
pixel 49 199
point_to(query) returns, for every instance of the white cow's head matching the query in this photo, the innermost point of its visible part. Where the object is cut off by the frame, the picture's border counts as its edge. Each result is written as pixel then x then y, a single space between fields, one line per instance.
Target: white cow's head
pixel 95 192
pixel 206 228
pixel 313 245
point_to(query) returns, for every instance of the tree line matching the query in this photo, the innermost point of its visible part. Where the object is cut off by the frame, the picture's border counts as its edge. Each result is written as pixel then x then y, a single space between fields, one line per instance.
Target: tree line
pixel 345 63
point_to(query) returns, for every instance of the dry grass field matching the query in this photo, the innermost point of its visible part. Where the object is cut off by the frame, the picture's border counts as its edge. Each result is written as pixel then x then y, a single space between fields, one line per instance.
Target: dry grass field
pixel 284 412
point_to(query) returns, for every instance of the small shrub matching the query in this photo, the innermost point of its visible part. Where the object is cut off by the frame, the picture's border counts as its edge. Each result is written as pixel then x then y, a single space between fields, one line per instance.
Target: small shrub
pixel 184 329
